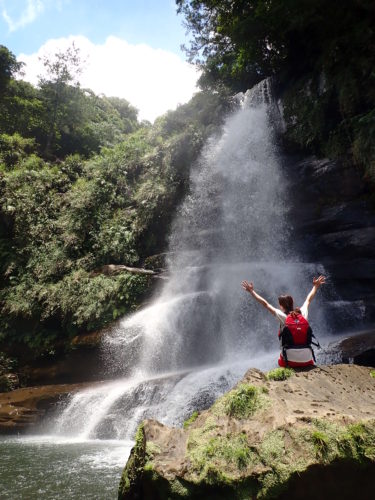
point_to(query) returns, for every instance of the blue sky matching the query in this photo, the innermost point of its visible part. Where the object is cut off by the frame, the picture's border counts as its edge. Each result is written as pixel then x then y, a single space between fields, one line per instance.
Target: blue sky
pixel 154 22
pixel 132 47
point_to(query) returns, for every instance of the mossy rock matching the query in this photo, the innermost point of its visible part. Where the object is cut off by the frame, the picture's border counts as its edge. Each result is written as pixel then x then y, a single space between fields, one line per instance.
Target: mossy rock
pixel 253 444
pixel 131 480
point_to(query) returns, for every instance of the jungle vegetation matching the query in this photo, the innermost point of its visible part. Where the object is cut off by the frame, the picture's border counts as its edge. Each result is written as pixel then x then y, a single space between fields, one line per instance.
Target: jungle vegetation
pixel 321 56
pixel 83 184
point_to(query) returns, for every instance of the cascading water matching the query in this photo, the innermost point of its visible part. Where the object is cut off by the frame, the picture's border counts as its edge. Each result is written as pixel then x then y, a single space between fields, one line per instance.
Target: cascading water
pixel 202 331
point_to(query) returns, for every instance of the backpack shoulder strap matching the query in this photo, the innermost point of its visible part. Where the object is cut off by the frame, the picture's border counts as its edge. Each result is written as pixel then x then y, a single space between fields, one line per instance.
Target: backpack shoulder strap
pixel 316 344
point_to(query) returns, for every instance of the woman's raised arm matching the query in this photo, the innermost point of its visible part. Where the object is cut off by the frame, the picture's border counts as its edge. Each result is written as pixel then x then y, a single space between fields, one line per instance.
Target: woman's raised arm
pixel 317 283
pixel 249 287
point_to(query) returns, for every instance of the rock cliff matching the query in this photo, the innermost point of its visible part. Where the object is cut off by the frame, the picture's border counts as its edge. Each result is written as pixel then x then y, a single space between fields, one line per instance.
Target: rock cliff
pixel 286 434
pixel 333 219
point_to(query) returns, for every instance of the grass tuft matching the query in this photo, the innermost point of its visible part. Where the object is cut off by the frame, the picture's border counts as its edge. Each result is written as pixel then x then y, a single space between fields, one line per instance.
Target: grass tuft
pixel 280 374
pixel 191 419
pixel 320 441
pixel 244 401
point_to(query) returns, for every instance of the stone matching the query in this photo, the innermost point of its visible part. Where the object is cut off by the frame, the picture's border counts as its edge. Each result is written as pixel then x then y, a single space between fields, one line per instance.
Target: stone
pixel 266 438
pixel 358 349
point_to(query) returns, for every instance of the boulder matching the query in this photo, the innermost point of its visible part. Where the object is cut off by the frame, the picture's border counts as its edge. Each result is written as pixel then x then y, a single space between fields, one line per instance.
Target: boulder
pixel 358 349
pixel 307 434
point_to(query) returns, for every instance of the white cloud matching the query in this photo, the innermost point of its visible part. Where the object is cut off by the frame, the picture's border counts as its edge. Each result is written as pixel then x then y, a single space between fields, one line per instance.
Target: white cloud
pixel 152 80
pixel 31 10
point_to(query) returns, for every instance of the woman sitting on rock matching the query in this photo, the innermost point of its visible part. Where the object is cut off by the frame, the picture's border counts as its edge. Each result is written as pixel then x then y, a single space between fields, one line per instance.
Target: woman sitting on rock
pixel 295 333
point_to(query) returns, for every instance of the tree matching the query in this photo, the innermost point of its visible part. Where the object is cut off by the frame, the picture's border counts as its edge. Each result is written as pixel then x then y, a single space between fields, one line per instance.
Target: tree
pixel 9 66
pixel 239 42
pixel 60 92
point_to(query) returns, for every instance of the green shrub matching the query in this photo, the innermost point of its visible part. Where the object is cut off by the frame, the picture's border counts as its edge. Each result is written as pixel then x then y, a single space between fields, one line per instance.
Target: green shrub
pixel 280 373
pixel 14 148
pixel 243 401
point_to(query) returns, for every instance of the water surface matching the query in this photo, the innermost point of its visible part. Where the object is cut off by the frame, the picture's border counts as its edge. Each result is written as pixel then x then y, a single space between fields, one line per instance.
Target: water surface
pixel 45 468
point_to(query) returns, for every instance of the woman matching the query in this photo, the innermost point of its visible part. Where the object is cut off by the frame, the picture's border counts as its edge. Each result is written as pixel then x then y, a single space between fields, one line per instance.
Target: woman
pixel 296 357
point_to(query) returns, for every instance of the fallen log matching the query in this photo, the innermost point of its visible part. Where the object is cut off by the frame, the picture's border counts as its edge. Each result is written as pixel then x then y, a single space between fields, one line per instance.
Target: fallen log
pixel 111 269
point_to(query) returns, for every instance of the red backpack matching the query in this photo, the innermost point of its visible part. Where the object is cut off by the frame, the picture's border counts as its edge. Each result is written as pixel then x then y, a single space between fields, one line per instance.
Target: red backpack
pixel 296 331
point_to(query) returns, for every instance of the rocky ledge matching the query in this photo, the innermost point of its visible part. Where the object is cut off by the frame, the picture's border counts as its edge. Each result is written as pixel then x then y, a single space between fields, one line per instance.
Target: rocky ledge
pixel 26 407
pixel 280 435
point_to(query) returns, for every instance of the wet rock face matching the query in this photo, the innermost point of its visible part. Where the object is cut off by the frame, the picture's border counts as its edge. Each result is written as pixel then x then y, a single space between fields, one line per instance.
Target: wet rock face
pixel 358 349
pixel 310 432
pixel 334 222
pixel 82 362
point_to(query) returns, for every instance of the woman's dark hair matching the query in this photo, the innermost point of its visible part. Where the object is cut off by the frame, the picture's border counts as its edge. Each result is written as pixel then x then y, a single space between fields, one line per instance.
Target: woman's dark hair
pixel 287 302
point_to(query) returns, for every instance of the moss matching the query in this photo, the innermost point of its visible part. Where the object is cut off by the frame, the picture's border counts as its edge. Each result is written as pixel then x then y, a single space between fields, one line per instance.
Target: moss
pixel 179 489
pixel 362 436
pixel 338 442
pixel 242 402
pixel 132 475
pixel 280 374
pixel 275 457
pixel 321 442
pixel 209 452
pixel 152 449
pixel 225 465
pixel 272 447
pixel 372 373
pixel 191 419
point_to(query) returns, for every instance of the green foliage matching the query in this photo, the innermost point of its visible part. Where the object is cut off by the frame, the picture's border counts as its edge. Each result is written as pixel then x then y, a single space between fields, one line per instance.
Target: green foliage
pixel 8 380
pixel 9 66
pixel 58 115
pixel 63 221
pixel 321 442
pixel 193 417
pixel 14 148
pixel 7 364
pixel 320 54
pixel 244 401
pixel 372 373
pixel 280 373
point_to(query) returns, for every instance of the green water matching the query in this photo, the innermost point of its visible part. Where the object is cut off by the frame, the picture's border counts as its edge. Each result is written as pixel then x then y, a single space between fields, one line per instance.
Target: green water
pixel 46 468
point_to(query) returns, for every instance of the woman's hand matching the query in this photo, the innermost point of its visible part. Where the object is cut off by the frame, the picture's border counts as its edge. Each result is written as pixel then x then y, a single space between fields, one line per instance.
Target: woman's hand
pixel 317 282
pixel 249 287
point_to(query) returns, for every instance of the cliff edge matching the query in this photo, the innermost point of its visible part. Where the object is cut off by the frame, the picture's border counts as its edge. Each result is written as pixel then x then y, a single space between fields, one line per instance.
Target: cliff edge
pixel 283 434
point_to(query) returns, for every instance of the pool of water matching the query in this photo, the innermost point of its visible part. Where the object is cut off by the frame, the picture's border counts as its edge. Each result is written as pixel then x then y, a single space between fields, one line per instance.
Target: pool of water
pixel 44 467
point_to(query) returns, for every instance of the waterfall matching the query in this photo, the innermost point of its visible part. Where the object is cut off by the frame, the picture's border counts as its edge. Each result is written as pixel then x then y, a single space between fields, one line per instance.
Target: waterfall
pixel 202 331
